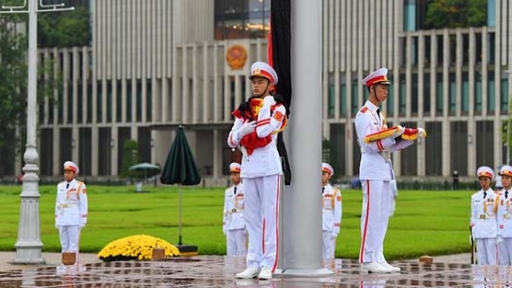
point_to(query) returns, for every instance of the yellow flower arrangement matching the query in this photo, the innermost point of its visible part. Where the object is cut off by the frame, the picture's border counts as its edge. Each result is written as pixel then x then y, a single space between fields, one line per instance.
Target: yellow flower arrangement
pixel 137 247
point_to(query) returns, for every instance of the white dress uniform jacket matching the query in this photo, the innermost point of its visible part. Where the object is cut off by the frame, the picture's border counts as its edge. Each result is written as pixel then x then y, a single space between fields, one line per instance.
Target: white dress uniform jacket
pixel 234 208
pixel 374 164
pixel 483 214
pixel 504 214
pixel 71 204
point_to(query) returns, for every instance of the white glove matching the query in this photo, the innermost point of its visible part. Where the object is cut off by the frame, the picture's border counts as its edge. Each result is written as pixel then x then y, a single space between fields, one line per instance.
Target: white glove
pixel 399 131
pixel 246 129
pixel 224 230
pixel 422 133
pixel 499 240
pixel 334 235
pixel 269 101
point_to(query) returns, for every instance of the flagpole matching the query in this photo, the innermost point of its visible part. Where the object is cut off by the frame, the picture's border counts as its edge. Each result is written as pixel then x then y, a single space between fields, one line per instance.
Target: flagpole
pixel 303 233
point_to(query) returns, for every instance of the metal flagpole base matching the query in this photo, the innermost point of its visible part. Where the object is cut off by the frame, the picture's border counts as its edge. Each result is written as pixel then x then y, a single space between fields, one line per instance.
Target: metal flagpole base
pixel 307 272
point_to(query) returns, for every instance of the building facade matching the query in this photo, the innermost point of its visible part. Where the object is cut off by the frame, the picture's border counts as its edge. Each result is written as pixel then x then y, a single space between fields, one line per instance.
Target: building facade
pixel 156 64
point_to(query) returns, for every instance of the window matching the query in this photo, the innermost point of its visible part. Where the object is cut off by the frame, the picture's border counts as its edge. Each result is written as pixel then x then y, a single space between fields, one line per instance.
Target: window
pixel 330 106
pixel 465 93
pixel 491 13
pixel 343 100
pixel 109 101
pixel 453 94
pixel 402 97
pixel 119 101
pixel 236 19
pixel 414 94
pixel 99 101
pixel 139 101
pixel 149 102
pixel 355 97
pixel 478 94
pixel 504 96
pixel 129 102
pixel 426 95
pixel 330 97
pixel 459 147
pixel 491 97
pixel 433 148
pixel 439 94
pixel 410 15
pixel 484 142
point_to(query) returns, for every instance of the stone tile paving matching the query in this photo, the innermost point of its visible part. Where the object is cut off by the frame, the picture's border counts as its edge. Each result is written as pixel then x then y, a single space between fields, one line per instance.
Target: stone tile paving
pixel 218 271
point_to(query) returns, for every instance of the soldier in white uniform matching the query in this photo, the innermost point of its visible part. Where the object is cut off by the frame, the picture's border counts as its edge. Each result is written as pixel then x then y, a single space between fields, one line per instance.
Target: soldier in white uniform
pixel 375 170
pixel 483 218
pixel 70 208
pixel 504 215
pixel 234 221
pixel 331 212
pixel 257 123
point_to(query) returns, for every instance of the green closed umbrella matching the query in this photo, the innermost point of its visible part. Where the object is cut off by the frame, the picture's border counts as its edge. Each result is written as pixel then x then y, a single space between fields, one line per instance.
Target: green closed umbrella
pixel 180 168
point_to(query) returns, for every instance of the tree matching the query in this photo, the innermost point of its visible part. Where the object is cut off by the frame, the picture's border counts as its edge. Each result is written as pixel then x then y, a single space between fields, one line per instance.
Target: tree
pixel 456 13
pixel 130 158
pixel 13 87
pixel 65 29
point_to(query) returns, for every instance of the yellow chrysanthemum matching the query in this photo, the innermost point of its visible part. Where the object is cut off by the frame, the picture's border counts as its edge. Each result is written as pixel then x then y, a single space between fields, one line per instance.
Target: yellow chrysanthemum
pixel 137 247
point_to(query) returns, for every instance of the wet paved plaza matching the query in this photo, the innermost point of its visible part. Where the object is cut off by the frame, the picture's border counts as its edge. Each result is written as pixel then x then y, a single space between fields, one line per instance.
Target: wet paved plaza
pixel 218 271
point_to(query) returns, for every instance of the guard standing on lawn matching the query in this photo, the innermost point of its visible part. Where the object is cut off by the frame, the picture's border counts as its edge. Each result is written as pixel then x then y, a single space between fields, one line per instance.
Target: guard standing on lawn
pixel 234 221
pixel 376 171
pixel 331 212
pixel 504 215
pixel 257 123
pixel 484 204
pixel 70 209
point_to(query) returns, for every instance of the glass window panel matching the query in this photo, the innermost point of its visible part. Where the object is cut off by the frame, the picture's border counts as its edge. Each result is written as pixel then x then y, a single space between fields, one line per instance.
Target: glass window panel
pixel 478 94
pixel 343 100
pixel 465 93
pixel 426 95
pixel 491 104
pixel 453 94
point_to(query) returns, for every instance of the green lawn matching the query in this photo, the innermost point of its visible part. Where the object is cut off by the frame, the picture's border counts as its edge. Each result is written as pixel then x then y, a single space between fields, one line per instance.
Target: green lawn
pixel 425 222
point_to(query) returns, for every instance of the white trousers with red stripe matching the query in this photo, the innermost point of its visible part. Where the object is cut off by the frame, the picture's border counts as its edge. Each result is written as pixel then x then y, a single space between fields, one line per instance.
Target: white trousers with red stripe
pixel 374 220
pixel 261 215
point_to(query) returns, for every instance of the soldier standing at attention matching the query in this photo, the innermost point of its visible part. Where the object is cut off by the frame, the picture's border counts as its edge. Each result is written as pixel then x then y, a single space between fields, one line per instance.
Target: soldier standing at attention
pixel 234 221
pixel 504 214
pixel 376 172
pixel 483 218
pixel 70 208
pixel 331 212
pixel 257 123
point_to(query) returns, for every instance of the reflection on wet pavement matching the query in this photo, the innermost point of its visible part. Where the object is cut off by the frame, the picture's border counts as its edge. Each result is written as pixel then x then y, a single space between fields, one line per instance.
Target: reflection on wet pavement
pixel 218 271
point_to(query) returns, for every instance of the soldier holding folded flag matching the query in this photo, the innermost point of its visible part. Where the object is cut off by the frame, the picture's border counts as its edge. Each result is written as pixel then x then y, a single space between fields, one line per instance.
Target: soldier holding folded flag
pixel 258 121
pixel 376 172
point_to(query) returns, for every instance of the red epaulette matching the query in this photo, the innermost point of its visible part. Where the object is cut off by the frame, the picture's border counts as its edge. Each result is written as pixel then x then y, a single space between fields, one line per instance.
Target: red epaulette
pixel 364 109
